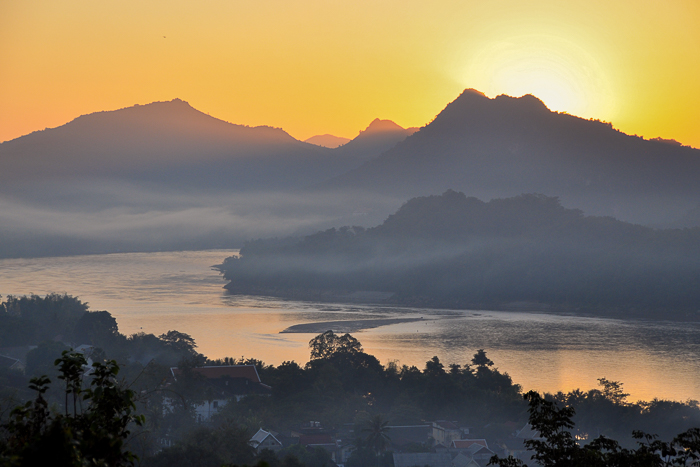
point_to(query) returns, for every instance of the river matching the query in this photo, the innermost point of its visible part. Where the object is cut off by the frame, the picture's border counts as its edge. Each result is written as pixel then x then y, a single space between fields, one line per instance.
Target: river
pixel 157 292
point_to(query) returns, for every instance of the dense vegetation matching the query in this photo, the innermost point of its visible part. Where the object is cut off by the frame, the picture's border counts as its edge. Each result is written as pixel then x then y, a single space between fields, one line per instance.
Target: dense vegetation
pixel 556 445
pixel 454 251
pixel 91 430
pixel 340 386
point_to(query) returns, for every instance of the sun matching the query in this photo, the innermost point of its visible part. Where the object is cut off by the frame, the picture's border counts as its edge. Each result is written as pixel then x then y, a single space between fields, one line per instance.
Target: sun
pixel 563 75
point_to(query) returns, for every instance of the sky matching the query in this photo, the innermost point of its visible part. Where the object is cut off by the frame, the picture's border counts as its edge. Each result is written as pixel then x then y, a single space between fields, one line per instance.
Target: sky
pixel 326 66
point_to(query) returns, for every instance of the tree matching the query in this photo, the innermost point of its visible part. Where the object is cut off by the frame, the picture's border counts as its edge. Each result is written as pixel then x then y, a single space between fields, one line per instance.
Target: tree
pixel 179 342
pixel 556 446
pixel 481 360
pixel 92 429
pixel 49 317
pixel 328 344
pixel 376 429
pixel 434 368
pixel 612 390
pixel 96 327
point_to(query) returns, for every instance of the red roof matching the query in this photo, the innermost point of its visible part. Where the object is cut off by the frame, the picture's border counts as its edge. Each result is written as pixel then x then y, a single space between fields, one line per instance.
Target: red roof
pixel 306 440
pixel 465 443
pixel 232 371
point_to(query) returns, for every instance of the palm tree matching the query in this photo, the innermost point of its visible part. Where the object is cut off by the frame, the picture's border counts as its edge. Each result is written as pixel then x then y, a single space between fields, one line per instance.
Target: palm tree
pixel 377 439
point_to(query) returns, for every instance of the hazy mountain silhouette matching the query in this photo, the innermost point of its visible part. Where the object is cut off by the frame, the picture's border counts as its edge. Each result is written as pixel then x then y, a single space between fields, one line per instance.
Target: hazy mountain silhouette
pixel 506 146
pixel 377 138
pixel 327 141
pixel 167 176
pixel 526 251
pixel 169 142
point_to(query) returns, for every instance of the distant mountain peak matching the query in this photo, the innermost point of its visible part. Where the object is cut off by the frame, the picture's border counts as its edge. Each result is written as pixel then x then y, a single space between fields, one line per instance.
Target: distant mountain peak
pixel 327 140
pixel 478 100
pixel 473 93
pixel 475 108
pixel 381 126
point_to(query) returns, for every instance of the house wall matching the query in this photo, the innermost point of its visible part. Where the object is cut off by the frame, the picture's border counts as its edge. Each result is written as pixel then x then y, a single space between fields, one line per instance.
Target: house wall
pixel 204 411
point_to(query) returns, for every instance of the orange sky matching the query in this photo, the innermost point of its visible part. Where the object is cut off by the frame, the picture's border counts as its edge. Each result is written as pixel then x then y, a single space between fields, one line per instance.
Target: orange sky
pixel 314 67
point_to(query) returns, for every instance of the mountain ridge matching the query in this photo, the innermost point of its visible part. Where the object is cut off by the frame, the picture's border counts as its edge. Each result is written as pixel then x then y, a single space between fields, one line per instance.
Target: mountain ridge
pixel 503 146
pixel 161 139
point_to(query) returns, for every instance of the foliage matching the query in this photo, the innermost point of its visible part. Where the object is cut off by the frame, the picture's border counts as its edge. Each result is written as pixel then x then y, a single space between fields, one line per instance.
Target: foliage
pixel 308 457
pixel 225 444
pixel 91 431
pixel 34 319
pixel 97 328
pixel 376 433
pixel 328 344
pixel 340 383
pixel 556 446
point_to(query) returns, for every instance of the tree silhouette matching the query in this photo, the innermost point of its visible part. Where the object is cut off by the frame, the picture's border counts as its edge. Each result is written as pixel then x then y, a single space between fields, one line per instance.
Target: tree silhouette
pixel 92 430
pixel 377 439
pixel 481 360
pixel 556 446
pixel 328 344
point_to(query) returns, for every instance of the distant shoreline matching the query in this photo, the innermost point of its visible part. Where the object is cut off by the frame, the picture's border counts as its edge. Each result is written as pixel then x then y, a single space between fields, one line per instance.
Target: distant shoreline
pixel 390 299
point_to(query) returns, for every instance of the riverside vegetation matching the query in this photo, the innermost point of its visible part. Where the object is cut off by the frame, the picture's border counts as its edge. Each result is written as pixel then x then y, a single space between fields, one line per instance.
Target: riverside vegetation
pixel 454 251
pixel 341 384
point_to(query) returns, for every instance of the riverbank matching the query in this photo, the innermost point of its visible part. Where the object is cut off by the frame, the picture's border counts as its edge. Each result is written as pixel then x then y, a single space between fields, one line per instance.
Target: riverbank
pixel 379 298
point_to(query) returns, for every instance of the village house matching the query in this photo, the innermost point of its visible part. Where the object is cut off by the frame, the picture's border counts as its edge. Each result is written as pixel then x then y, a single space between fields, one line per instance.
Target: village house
pixel 460 460
pixel 444 432
pixel 476 449
pixel 222 384
pixel 264 440
pixel 407 436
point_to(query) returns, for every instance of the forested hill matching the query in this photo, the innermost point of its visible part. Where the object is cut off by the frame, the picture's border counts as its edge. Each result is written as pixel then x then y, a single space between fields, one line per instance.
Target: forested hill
pixel 525 252
pixel 505 146
pixel 170 143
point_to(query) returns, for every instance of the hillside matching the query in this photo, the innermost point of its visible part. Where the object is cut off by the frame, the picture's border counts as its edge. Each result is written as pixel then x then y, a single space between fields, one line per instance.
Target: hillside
pixel 168 142
pixel 505 146
pixel 524 252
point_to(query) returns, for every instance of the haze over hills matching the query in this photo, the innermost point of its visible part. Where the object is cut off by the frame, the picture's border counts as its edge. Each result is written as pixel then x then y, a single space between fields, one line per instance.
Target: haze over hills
pixel 378 137
pixel 506 146
pixel 167 176
pixel 171 142
pixel 524 252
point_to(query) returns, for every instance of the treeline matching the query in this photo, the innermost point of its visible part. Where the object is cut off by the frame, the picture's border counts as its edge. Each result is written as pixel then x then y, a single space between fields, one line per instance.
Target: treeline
pixel 340 385
pixel 40 328
pixel 457 251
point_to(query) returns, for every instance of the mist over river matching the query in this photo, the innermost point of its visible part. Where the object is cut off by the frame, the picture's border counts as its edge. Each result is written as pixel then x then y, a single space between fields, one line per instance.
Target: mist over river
pixel 157 292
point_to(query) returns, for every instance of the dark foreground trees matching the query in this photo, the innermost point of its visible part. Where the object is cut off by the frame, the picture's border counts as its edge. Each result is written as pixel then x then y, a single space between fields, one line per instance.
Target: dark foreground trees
pixel 557 447
pixel 91 430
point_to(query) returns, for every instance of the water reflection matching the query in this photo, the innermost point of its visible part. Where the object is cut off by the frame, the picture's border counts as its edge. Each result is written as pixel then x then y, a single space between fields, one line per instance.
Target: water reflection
pixel 156 292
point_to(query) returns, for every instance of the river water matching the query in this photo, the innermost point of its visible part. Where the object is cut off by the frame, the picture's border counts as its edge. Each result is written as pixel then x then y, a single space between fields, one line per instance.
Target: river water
pixel 157 292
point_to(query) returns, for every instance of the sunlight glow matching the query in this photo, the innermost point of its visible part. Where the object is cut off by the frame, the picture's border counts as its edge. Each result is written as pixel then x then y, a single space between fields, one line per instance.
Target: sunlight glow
pixel 565 77
pixel 314 67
